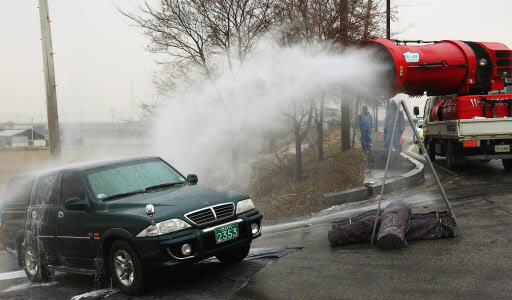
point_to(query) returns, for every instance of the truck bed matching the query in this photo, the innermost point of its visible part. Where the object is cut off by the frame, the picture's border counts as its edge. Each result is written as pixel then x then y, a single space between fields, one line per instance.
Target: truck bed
pixel 470 129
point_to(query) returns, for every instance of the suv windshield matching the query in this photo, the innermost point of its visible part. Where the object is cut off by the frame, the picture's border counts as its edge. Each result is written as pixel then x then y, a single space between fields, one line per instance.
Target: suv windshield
pixel 131 178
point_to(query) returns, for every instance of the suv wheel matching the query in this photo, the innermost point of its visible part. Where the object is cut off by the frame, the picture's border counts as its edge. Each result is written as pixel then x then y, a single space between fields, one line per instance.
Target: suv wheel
pixel 234 255
pixel 126 268
pixel 34 267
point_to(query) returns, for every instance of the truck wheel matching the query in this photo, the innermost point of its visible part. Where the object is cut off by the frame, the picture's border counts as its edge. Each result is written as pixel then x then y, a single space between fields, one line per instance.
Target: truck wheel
pixel 451 156
pixel 126 268
pixel 431 151
pixel 507 164
pixel 234 255
pixel 33 265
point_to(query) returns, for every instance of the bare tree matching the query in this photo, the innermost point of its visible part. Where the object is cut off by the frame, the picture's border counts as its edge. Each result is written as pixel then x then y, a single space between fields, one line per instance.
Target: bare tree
pixel 176 29
pixel 234 27
pixel 342 21
pixel 318 118
pixel 301 119
pixel 193 34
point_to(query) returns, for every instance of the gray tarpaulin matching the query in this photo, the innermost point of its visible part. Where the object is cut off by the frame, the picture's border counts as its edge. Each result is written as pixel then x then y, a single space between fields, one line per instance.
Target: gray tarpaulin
pixel 358 229
pixel 352 230
pixel 394 223
pixel 431 226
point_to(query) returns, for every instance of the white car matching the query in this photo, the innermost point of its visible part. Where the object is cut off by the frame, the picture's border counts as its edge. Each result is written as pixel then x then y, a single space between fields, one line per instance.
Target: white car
pixel 419 128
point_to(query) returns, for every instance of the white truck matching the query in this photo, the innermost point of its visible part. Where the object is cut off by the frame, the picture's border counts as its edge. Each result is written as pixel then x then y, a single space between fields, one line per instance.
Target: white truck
pixel 466 139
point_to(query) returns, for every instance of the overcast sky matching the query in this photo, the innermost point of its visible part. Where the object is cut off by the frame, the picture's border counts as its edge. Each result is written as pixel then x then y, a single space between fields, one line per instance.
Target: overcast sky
pixel 100 59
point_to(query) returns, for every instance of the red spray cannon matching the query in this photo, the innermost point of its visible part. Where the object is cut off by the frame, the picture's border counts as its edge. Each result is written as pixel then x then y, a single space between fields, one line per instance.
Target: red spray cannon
pixel 445 67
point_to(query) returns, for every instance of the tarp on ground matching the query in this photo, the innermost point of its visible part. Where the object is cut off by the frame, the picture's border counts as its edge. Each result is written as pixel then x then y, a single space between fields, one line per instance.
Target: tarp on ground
pixel 434 225
pixel 394 223
pixel 358 229
pixel 352 230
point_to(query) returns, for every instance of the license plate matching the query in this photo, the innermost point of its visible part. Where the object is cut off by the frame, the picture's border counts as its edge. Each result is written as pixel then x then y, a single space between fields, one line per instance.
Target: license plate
pixel 501 148
pixel 226 233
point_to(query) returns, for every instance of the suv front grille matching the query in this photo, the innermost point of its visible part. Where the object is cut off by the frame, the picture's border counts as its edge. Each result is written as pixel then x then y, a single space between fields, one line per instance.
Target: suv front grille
pixel 211 213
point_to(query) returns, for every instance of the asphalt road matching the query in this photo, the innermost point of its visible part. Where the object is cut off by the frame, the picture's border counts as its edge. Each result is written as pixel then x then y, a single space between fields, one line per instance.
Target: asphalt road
pixel 209 279
pixel 475 265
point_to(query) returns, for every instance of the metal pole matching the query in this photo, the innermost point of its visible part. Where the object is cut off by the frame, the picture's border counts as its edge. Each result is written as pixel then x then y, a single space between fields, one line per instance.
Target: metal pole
pixel 388 19
pixel 425 154
pixel 49 76
pixel 385 171
pixel 356 111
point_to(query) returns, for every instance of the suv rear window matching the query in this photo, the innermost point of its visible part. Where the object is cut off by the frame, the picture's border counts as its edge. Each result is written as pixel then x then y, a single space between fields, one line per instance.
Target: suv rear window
pixel 44 189
pixel 19 188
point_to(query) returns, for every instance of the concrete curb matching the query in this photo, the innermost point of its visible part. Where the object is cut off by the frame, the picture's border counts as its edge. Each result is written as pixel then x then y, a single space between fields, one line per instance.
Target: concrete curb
pixel 406 180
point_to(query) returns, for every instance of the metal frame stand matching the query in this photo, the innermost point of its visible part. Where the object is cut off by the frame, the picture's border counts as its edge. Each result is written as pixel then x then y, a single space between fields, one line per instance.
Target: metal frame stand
pixel 425 154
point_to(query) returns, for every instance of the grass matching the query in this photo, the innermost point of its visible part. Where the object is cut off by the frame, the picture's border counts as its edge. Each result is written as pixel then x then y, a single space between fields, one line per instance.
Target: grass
pixel 278 196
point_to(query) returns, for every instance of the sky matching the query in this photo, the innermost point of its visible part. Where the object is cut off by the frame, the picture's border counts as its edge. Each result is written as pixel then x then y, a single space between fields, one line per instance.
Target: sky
pixel 102 68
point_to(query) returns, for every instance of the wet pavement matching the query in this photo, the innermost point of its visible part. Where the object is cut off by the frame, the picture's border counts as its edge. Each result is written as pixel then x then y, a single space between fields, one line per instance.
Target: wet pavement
pixel 477 264
pixel 209 279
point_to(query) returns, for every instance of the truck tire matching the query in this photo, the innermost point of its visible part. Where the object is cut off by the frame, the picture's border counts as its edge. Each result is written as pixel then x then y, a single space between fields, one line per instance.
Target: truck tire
pixel 452 159
pixel 235 255
pixel 126 268
pixel 431 150
pixel 33 265
pixel 507 164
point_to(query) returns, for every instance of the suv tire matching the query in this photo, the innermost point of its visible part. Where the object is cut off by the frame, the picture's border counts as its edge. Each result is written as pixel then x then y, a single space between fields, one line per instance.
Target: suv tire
pixel 126 268
pixel 33 265
pixel 235 255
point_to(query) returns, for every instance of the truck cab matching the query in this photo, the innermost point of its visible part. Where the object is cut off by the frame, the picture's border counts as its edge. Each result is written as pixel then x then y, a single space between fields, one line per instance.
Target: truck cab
pixel 480 135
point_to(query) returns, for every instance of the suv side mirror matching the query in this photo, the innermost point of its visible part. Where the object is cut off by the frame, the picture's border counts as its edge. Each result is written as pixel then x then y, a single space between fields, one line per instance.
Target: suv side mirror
pixel 192 178
pixel 416 111
pixel 76 203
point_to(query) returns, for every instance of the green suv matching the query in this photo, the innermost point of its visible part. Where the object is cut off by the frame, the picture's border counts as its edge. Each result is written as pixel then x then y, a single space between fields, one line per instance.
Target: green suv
pixel 124 217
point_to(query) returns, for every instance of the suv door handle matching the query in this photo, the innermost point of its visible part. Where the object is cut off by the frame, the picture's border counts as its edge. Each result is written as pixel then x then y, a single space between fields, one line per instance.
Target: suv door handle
pixel 61 214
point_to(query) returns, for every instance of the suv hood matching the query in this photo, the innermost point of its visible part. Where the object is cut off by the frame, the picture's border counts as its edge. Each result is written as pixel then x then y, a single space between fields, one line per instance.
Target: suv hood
pixel 171 203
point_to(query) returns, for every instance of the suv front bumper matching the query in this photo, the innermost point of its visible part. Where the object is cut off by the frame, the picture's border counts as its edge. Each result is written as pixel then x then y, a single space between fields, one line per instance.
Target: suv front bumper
pixel 165 251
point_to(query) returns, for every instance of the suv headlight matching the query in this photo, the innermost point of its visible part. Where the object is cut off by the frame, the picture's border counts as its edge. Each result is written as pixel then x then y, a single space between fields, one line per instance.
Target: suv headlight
pixel 243 206
pixel 164 227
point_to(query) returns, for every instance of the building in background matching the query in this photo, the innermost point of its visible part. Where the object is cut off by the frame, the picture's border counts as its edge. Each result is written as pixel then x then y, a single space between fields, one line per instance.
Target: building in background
pixel 21 138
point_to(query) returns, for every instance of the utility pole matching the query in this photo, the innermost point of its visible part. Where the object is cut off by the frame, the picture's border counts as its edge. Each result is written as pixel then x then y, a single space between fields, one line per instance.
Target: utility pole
pixel 388 19
pixel 32 131
pixel 49 76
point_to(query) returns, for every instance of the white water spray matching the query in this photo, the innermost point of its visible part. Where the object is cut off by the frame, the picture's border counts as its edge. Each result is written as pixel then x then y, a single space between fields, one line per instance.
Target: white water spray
pixel 196 131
